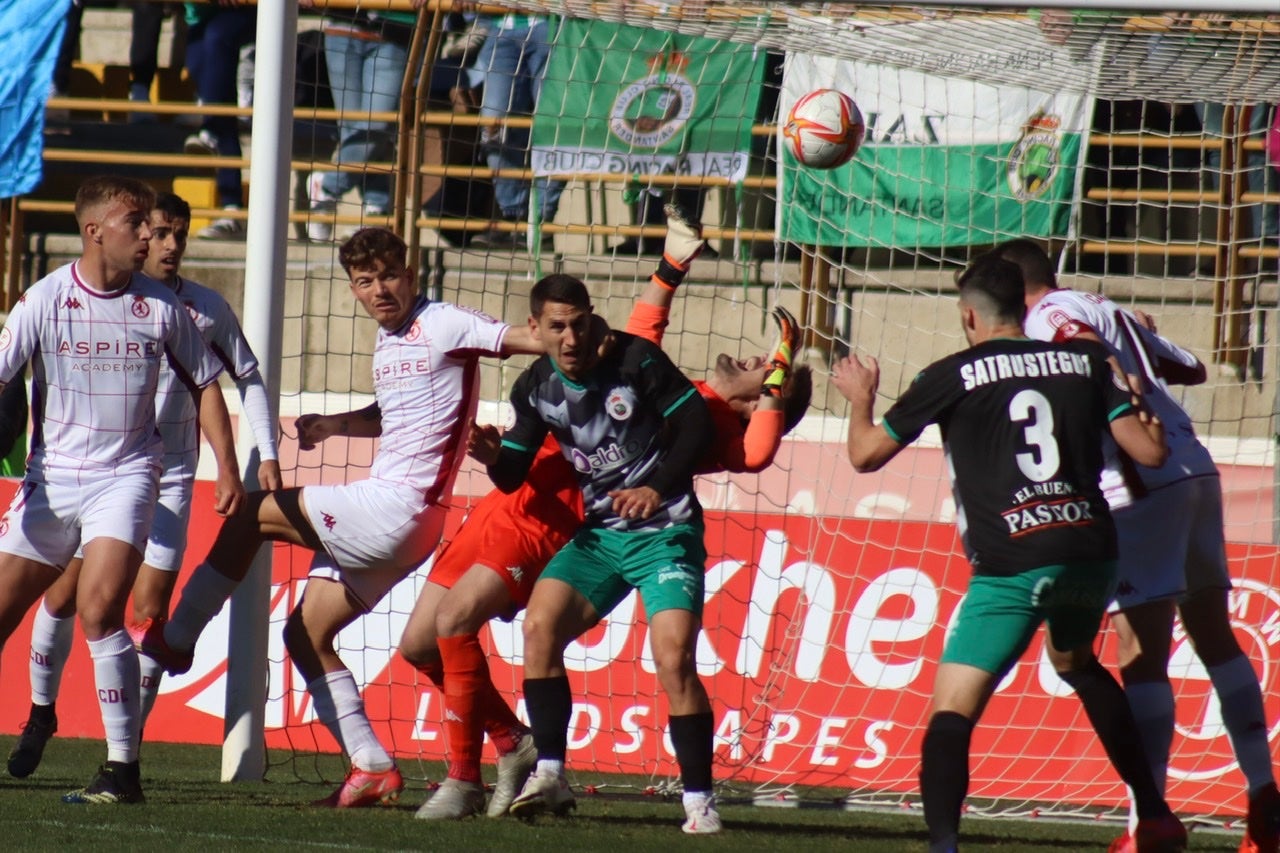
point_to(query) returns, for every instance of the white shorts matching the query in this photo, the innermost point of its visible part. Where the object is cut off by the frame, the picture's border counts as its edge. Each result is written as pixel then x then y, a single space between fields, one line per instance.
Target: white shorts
pixel 1171 543
pixel 374 534
pixel 47 522
pixel 167 542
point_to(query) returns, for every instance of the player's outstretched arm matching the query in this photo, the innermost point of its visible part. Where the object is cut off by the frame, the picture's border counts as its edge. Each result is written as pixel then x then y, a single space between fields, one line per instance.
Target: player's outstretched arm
pixel 682 245
pixel 869 445
pixel 363 423
pixel 519 340
pixel 254 405
pixel 215 423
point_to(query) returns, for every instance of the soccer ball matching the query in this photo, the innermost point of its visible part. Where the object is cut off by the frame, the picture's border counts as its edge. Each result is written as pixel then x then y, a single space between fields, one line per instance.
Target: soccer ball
pixel 824 129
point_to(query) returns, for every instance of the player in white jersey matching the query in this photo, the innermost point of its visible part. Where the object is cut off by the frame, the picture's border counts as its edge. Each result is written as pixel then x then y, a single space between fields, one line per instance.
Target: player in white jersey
pixel 96 332
pixel 369 534
pixel 1171 542
pixel 176 417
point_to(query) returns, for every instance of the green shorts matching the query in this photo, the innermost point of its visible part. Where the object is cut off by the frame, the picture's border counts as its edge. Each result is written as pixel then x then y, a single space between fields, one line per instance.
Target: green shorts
pixel 665 565
pixel 1000 615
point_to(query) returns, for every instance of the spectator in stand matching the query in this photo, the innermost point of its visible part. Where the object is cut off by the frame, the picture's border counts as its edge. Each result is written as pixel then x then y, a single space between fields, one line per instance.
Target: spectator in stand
pixel 366 54
pixel 1265 218
pixel 647 210
pixel 67 53
pixel 215 34
pixel 144 51
pixel 513 61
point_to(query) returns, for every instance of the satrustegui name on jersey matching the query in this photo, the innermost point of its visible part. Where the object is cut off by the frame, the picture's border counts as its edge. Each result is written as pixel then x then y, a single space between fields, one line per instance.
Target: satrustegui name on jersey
pixel 993 368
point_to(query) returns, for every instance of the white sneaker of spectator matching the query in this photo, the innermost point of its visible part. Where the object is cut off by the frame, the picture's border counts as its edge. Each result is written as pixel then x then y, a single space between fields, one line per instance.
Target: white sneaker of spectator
pixel 320 229
pixel 225 228
pixel 201 142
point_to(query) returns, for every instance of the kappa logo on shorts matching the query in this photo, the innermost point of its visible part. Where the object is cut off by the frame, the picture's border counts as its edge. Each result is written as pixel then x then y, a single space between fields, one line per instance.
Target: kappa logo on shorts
pixel 1201 749
pixel 4 526
pixel 140 308
pixel 329 520
pixel 516 572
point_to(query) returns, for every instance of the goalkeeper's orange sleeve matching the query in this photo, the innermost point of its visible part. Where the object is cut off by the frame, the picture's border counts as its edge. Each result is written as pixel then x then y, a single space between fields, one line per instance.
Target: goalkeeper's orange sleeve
pixel 648 321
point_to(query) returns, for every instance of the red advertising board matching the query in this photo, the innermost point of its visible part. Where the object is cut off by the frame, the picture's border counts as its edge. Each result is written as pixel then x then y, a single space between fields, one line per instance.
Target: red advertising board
pixel 823 633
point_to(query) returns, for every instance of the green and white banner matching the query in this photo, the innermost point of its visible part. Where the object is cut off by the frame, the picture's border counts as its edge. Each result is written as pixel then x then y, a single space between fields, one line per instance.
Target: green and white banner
pixel 946 161
pixel 624 100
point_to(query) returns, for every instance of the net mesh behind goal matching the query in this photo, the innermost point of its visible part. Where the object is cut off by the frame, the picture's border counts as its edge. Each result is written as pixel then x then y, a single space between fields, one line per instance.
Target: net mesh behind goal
pixel 829 593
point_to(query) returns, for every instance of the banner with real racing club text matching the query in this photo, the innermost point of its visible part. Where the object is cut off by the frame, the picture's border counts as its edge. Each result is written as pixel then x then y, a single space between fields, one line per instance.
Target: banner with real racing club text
pixel 634 101
pixel 823 633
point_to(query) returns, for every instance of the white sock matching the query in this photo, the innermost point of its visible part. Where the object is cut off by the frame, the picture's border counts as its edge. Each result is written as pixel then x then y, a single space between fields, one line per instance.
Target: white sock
pixel 695 798
pixel 550 765
pixel 151 672
pixel 50 647
pixel 1152 706
pixel 339 706
pixel 1240 699
pixel 116 675
pixel 202 598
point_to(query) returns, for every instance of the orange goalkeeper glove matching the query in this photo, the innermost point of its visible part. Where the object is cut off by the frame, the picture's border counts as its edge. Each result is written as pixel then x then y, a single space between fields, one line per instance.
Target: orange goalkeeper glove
pixel 684 243
pixel 784 349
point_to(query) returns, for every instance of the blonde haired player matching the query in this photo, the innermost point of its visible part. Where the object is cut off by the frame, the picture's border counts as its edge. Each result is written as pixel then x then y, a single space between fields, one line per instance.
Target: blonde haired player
pixel 95 332
pixel 176 417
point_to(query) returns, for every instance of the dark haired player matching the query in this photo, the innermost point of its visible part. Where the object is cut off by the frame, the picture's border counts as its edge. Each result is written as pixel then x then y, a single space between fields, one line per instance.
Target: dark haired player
pixel 369 534
pixel 634 428
pixel 1022 426
pixel 490 567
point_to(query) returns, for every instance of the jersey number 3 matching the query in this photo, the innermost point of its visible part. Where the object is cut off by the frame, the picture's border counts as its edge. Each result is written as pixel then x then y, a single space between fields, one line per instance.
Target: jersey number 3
pixel 1031 408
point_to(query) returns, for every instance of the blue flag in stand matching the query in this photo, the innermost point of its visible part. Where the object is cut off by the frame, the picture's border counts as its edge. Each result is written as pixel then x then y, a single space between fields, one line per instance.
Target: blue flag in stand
pixel 30 35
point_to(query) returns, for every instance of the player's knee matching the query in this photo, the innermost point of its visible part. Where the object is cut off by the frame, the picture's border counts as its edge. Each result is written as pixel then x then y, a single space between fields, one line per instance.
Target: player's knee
pixel 297 638
pixel 453 619
pixel 100 619
pixel 419 652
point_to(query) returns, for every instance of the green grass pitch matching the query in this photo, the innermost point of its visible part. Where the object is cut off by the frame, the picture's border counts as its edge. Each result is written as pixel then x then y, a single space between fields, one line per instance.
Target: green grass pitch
pixel 187 809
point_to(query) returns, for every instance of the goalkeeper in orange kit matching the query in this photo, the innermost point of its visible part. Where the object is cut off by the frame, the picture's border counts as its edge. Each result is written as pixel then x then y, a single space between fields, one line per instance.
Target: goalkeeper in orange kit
pixel 490 567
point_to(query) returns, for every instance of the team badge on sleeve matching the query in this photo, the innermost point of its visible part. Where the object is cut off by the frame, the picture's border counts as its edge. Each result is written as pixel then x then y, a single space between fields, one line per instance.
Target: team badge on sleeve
pixel 620 404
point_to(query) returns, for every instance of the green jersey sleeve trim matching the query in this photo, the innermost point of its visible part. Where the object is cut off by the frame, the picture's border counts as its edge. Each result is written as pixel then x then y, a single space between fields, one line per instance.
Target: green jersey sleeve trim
pixel 677 403
pixel 514 446
pixel 891 431
pixel 1122 409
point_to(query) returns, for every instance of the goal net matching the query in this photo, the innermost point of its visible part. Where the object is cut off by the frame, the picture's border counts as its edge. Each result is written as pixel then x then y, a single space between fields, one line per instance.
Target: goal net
pixel 1133 143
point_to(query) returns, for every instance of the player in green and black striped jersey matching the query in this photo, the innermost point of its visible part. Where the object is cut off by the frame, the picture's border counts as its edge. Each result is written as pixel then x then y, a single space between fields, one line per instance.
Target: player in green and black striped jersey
pixel 634 428
pixel 1022 425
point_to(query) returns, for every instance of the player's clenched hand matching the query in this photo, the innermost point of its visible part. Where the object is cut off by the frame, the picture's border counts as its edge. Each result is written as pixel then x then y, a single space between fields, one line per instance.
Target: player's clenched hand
pixel 855 379
pixel 640 502
pixel 228 493
pixel 1145 320
pixel 313 429
pixel 484 443
pixel 784 350
pixel 269 475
